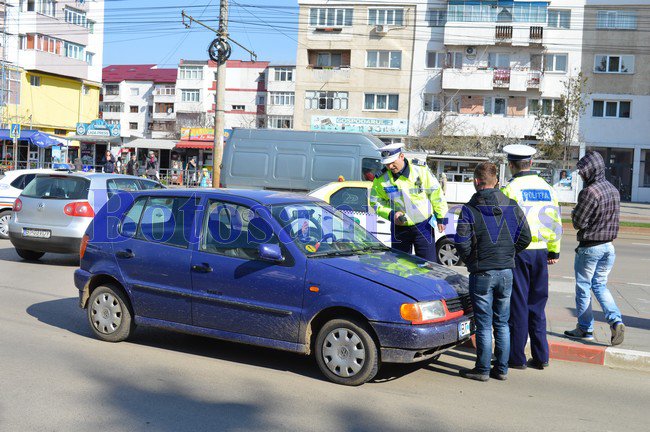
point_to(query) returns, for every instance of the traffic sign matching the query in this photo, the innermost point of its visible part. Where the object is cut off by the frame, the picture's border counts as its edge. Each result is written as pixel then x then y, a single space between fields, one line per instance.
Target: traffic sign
pixel 15 130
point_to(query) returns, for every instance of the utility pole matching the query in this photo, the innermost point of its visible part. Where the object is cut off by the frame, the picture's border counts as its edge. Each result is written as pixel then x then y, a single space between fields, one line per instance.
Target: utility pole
pixel 219 51
pixel 219 101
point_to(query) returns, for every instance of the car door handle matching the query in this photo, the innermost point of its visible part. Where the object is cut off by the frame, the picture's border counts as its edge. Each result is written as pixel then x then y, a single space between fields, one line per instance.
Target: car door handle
pixel 203 268
pixel 380 221
pixel 126 254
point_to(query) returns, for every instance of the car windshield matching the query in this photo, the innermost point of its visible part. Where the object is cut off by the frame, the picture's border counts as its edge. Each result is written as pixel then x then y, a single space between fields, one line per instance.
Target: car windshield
pixel 320 230
pixel 57 187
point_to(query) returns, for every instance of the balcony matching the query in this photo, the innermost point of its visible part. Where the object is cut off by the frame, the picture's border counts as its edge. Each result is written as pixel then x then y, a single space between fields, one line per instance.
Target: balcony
pixel 467 79
pixel 164 116
pixel 327 74
pixel 503 34
pixel 501 78
pixel 489 33
pixel 536 34
pixel 534 79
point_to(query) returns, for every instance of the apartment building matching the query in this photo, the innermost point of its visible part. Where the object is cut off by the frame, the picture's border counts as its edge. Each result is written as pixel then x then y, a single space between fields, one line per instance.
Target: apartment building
pixel 52 57
pixel 353 67
pixel 616 62
pixel 281 96
pixel 141 100
pixel 245 100
pixel 489 67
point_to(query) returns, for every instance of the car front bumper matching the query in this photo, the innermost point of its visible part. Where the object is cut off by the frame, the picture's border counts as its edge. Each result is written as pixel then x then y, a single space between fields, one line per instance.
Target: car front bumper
pixel 405 343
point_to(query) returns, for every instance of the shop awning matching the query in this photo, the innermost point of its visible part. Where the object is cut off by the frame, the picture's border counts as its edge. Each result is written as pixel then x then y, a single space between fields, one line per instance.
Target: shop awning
pixel 150 143
pixel 35 137
pixel 91 139
pixel 201 145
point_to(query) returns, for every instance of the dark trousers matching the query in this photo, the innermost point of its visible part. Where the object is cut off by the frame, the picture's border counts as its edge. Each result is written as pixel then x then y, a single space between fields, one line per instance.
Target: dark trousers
pixel 420 237
pixel 527 303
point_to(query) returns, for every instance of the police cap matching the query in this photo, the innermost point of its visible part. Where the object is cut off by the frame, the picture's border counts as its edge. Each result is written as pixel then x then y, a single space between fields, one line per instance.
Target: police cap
pixel 517 152
pixel 390 153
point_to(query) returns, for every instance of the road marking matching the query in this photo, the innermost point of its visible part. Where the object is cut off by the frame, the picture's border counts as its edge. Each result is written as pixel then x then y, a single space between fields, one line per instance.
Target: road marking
pixel 638 284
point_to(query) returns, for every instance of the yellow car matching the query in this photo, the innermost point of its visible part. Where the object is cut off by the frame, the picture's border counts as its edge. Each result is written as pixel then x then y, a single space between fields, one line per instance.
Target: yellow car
pixel 353 199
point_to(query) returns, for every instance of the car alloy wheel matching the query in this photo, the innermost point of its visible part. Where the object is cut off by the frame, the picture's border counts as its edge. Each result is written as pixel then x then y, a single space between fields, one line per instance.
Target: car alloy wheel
pixel 448 254
pixel 343 352
pixel 107 313
pixel 4 225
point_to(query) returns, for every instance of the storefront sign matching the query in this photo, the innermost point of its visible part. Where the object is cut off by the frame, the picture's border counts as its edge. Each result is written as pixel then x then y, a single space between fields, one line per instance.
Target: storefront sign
pixel 98 127
pixel 360 124
pixel 202 134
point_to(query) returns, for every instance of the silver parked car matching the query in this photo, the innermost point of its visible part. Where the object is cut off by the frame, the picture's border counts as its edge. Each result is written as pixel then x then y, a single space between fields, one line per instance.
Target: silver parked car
pixel 54 210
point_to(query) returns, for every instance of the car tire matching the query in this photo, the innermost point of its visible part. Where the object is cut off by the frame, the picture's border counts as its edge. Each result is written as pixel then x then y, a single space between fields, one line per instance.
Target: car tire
pixel 109 314
pixel 346 353
pixel 29 255
pixel 5 217
pixel 447 253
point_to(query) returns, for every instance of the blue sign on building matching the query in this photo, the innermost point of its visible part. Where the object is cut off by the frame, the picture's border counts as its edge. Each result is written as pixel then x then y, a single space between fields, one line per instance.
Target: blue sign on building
pixel 98 128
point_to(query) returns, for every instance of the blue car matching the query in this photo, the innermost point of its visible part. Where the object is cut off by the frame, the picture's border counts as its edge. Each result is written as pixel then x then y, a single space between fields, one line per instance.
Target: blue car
pixel 271 269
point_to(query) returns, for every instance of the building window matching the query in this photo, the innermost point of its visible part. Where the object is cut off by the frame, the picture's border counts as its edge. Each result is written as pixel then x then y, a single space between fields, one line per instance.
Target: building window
pixel 454 60
pixel 74 51
pixel 326 100
pixel 166 90
pixel 491 11
pixel 327 59
pixel 44 43
pixel 436 59
pixel 190 96
pixel 614 64
pixel 555 63
pixel 112 90
pixel 34 80
pixel 89 58
pixel 282 98
pixel 280 122
pixel 381 102
pixel 239 107
pixel 135 91
pixel 611 109
pixel 499 61
pixel 261 100
pixel 386 17
pixel 283 74
pixel 45 7
pixel 545 107
pixel 559 19
pixel 644 169
pixel 22 42
pixel 133 126
pixel 190 72
pixel 432 102
pixel 112 122
pixel 384 59
pixel 495 105
pixel 76 17
pixel 437 17
pixel 112 107
pixel 330 17
pixel 616 20
pixel 134 109
pixel 164 108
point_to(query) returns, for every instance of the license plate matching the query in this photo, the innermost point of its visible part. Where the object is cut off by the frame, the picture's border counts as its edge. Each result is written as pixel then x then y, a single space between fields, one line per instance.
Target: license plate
pixel 464 329
pixel 36 233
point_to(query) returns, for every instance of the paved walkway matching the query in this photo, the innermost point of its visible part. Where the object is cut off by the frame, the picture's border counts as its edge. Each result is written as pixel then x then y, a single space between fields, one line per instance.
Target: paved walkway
pixel 630 212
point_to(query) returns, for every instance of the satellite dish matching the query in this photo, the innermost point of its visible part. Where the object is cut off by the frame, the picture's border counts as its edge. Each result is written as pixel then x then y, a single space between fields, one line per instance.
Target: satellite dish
pixel 170 110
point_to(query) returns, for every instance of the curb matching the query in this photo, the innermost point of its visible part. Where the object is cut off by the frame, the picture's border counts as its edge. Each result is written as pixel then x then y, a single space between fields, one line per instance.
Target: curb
pixel 616 358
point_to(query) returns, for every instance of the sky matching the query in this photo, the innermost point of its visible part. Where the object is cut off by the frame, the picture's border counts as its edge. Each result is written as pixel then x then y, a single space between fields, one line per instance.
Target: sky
pixel 152 31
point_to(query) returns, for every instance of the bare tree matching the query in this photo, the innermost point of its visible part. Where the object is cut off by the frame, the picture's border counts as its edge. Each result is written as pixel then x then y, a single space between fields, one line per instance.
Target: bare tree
pixel 558 130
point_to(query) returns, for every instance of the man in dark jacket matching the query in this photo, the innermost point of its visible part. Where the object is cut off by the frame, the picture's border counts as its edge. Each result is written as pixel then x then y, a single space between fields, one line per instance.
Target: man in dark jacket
pixel 109 163
pixel 596 217
pixel 132 166
pixel 491 229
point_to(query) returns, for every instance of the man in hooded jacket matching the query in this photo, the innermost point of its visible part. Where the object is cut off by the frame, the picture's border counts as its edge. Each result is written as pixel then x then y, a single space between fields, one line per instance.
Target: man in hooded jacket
pixel 596 217
pixel 491 229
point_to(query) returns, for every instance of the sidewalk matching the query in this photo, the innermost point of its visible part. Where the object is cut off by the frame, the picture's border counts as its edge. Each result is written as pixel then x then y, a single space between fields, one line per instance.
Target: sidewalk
pixel 630 212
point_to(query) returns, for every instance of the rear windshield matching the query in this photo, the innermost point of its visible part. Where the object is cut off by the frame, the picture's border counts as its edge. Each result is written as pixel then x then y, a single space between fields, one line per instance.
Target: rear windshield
pixel 58 187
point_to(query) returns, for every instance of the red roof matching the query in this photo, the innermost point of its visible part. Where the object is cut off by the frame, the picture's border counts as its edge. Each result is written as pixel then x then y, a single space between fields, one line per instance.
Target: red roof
pixel 148 72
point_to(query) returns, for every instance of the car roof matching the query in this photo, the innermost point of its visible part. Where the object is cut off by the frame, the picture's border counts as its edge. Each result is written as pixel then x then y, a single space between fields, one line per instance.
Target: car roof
pixel 94 176
pixel 29 171
pixel 264 197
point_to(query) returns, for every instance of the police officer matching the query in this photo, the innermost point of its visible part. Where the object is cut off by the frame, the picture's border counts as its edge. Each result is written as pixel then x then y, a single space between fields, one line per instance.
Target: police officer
pixel 530 275
pixel 410 197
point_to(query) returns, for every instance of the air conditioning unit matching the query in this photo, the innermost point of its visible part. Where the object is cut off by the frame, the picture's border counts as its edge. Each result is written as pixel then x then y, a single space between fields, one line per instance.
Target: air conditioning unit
pixel 470 50
pixel 381 29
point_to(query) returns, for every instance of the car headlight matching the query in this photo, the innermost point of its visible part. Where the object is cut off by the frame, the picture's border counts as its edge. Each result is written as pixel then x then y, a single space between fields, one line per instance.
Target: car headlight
pixel 423 312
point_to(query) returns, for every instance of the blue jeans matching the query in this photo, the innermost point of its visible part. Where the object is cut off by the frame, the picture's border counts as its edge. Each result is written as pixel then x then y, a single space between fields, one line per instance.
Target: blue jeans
pixel 592 266
pixel 490 292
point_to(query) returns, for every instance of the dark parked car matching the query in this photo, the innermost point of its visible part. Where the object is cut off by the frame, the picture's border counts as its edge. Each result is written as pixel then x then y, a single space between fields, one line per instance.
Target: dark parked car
pixel 270 269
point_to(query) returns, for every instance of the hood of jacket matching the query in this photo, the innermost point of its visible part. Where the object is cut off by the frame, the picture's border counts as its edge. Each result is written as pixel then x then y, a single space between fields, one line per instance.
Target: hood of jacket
pixel 489 202
pixel 591 167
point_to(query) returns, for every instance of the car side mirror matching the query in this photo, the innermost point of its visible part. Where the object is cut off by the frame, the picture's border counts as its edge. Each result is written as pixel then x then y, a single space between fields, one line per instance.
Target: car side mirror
pixel 270 252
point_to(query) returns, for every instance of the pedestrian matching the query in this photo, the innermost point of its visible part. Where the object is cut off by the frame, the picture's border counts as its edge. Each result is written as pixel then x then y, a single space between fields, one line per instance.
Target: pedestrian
pixel 132 167
pixel 491 230
pixel 410 197
pixel 596 217
pixel 205 180
pixel 192 169
pixel 151 168
pixel 78 165
pixel 109 163
pixel 530 276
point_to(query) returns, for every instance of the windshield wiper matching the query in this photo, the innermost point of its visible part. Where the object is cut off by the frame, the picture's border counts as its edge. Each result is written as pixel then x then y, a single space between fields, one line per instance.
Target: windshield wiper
pixel 333 253
pixel 377 248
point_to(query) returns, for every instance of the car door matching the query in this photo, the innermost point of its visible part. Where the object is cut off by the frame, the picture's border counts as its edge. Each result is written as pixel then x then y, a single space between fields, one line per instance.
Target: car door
pixel 234 290
pixel 153 253
pixel 353 201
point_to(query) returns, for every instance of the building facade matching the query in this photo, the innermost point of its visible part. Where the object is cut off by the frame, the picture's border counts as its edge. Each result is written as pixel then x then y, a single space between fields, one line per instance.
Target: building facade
pixel 617 64
pixel 281 96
